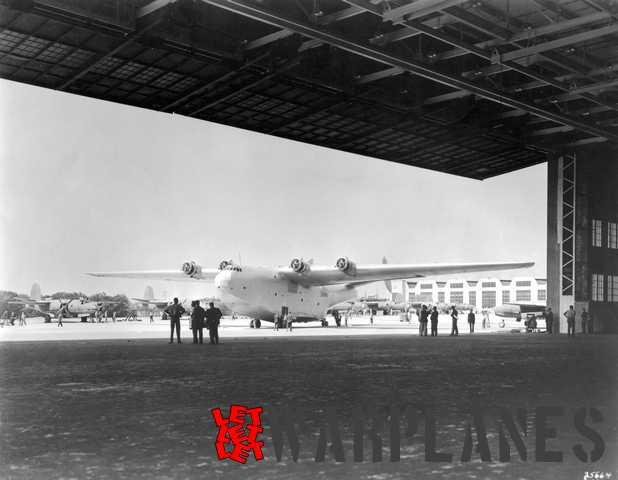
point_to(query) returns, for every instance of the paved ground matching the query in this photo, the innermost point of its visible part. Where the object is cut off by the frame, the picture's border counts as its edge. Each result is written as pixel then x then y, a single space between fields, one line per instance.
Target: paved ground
pixel 37 330
pixel 140 408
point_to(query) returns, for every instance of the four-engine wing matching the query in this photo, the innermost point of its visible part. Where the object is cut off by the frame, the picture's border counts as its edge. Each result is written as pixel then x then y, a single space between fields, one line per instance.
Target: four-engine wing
pixel 347 272
pixel 175 275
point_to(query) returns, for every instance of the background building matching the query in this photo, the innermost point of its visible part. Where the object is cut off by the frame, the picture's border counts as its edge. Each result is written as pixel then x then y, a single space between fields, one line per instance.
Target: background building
pixel 484 292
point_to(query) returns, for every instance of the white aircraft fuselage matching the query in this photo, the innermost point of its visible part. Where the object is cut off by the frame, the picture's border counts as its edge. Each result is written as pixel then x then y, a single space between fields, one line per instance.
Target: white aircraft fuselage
pixel 261 293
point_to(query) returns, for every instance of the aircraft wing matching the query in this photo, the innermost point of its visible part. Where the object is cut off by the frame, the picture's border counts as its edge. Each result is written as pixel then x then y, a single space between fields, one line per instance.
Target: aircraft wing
pixel 175 275
pixel 359 274
pixel 515 309
pixel 155 303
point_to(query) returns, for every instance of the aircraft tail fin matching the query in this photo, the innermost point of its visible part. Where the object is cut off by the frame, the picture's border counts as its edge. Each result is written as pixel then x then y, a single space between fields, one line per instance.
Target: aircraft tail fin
pixel 148 293
pixel 35 292
pixel 388 283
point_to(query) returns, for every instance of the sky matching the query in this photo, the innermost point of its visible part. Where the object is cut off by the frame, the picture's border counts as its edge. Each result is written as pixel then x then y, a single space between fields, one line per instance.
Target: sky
pixel 88 185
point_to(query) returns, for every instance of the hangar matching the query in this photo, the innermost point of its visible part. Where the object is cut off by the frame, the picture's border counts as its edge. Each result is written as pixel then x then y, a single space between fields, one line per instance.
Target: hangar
pixel 475 88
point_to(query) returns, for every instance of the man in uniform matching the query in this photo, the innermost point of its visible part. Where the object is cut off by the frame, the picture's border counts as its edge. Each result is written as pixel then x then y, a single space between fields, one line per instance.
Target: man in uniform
pixel 213 318
pixel 175 311
pixel 434 322
pixel 198 314
pixel 454 317
pixel 549 320
pixel 471 320
pixel 584 321
pixel 423 321
pixel 570 316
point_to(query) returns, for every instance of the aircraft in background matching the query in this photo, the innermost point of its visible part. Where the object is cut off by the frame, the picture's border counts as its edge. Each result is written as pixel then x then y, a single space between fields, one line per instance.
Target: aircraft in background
pixel 304 290
pixel 517 310
pixel 37 306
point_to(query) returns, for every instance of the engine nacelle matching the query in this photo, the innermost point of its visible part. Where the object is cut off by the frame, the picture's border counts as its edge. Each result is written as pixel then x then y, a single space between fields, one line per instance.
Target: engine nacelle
pixel 345 265
pixel 192 269
pixel 224 264
pixel 299 265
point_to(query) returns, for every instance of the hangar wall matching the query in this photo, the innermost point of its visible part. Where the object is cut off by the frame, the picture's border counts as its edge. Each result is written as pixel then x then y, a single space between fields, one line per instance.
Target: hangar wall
pixel 582 236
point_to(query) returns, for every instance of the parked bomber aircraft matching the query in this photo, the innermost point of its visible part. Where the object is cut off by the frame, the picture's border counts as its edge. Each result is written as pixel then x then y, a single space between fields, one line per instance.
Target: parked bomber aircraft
pixel 304 290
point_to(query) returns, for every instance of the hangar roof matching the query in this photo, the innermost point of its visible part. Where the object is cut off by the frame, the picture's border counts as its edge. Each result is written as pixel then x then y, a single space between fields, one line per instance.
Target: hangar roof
pixel 469 87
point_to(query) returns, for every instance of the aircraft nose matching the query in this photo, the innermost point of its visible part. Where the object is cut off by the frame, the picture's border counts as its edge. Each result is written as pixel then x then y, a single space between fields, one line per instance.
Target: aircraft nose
pixel 222 280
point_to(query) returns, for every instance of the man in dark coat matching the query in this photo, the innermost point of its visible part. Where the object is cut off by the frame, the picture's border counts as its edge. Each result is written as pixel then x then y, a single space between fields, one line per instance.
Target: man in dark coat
pixel 434 322
pixel 198 314
pixel 423 321
pixel 549 320
pixel 471 320
pixel 454 316
pixel 175 311
pixel 213 318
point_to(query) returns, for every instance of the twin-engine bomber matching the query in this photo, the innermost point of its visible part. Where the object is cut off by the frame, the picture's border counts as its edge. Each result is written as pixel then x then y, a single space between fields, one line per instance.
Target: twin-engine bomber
pixel 303 290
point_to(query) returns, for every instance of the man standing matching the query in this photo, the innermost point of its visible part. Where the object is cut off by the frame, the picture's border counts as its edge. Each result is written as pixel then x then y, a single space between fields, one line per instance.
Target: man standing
pixel 423 321
pixel 471 320
pixel 434 322
pixel 570 316
pixel 454 317
pixel 549 320
pixel 197 322
pixel 584 321
pixel 60 324
pixel 213 318
pixel 175 311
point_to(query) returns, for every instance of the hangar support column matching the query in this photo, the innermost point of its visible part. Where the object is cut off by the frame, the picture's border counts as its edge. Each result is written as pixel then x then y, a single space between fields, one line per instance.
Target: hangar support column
pixel 582 236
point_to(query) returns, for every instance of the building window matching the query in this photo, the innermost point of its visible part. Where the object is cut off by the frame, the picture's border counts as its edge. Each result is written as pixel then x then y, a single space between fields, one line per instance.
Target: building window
pixel 457 297
pixel 597 227
pixel 488 284
pixel 612 288
pixel 523 283
pixel 612 235
pixel 488 299
pixel 441 297
pixel 542 295
pixel 426 286
pixel 506 296
pixel 523 296
pixel 472 298
pixel 456 285
pixel 597 287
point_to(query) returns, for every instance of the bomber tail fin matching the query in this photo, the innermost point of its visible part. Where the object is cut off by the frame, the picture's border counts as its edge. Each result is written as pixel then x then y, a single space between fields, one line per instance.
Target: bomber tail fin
pixel 388 283
pixel 148 293
pixel 35 292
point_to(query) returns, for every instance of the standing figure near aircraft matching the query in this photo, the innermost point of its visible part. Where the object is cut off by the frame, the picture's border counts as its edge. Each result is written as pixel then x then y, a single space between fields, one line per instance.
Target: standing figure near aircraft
pixel 213 318
pixel 114 317
pixel 454 317
pixel 471 320
pixel 549 320
pixel 584 321
pixel 434 322
pixel 570 316
pixel 60 324
pixel 198 314
pixel 287 322
pixel 175 311
pixel 346 317
pixel 423 320
pixel 22 319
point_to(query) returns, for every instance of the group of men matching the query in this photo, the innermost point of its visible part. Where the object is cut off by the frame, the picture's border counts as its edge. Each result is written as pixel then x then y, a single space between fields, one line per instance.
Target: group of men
pixel 425 315
pixel 200 318
pixel 586 319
